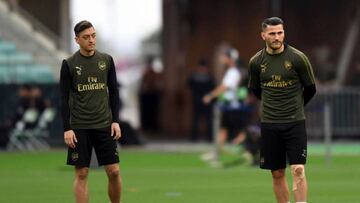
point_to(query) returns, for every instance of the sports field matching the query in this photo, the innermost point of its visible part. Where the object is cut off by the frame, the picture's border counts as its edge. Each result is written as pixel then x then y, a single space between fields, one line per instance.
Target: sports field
pixel 179 177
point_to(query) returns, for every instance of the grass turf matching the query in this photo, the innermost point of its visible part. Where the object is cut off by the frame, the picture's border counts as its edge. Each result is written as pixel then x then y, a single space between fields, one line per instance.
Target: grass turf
pixel 159 177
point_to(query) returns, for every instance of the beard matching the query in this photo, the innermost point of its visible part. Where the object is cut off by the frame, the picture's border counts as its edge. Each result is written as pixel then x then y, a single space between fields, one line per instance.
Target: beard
pixel 275 45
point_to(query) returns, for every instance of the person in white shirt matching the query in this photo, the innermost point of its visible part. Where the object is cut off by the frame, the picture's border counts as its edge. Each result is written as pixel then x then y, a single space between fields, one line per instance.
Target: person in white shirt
pixel 231 119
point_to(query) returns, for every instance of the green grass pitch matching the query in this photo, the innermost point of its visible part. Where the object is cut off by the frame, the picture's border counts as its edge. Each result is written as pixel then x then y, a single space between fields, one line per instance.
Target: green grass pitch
pixel 159 177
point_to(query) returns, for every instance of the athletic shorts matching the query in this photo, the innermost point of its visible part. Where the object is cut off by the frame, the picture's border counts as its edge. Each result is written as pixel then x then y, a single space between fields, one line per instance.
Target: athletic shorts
pixel 281 142
pixel 87 139
pixel 234 121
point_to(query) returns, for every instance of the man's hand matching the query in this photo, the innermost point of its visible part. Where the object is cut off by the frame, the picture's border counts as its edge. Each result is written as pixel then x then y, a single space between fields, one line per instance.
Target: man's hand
pixel 115 131
pixel 207 99
pixel 70 138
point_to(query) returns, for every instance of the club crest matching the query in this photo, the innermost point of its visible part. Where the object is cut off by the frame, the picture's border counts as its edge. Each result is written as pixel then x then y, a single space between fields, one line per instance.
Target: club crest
pixel 75 156
pixel 287 65
pixel 102 65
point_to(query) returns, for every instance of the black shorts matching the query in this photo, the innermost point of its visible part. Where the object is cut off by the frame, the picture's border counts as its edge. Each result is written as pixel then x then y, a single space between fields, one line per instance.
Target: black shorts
pixel 234 121
pixel 100 140
pixel 281 142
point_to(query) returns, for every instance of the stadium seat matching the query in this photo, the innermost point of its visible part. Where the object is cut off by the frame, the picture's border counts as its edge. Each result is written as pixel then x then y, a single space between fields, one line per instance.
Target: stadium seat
pixel 7 47
pixel 30 139
pixel 4 74
pixel 16 58
pixel 42 73
pixel 20 136
pixel 19 67
pixel 33 73
pixel 4 59
pixel 20 58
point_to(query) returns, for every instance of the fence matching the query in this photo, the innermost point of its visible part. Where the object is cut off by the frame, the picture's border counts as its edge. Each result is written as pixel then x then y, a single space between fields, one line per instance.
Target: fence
pixel 343 113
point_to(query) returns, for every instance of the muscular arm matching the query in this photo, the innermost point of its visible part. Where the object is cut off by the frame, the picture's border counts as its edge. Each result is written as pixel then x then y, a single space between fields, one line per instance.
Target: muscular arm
pixel 65 85
pixel 113 92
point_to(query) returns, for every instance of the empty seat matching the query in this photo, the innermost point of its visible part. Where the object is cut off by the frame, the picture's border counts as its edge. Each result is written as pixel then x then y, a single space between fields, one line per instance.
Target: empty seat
pixel 20 58
pixel 4 59
pixel 7 47
pixel 43 73
pixel 16 58
pixel 32 73
pixel 4 74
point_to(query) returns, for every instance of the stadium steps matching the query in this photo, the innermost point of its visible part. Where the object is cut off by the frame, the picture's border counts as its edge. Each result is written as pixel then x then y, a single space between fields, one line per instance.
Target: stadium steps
pixel 20 67
pixel 17 32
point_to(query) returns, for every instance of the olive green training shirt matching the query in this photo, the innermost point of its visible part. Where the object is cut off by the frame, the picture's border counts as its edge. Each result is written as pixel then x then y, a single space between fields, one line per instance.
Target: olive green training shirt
pixel 89 91
pixel 281 78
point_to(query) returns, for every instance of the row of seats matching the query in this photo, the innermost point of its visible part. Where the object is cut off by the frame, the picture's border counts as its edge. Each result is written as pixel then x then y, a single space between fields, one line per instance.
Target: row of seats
pixel 7 47
pixel 9 55
pixel 16 58
pixel 26 74
pixel 19 67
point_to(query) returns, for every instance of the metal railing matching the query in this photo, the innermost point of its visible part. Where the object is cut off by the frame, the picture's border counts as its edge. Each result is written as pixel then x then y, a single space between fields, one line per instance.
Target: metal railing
pixel 343 113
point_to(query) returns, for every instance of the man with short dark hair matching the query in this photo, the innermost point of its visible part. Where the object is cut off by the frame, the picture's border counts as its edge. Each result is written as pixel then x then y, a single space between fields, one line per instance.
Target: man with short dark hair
pixel 90 107
pixel 282 78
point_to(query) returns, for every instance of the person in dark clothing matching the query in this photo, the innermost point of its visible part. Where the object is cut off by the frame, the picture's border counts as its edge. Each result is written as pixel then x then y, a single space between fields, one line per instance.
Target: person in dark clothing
pixel 90 112
pixel 283 79
pixel 150 97
pixel 200 83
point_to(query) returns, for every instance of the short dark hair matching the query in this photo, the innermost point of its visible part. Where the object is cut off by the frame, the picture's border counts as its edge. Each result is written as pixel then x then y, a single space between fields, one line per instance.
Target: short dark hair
pixel 271 21
pixel 82 25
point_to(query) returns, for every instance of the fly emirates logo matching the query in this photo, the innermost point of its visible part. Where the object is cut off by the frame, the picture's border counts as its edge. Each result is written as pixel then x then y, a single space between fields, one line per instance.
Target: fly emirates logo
pixel 277 81
pixel 92 84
